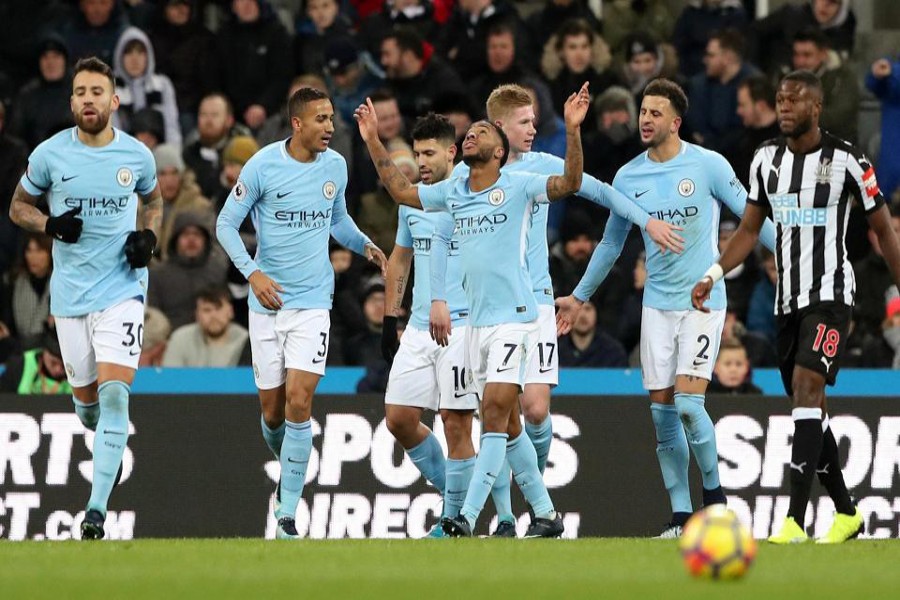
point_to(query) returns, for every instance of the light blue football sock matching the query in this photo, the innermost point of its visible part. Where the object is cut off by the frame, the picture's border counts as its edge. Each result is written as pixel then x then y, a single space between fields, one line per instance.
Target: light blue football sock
pixel 487 465
pixel 429 460
pixel 672 453
pixel 541 435
pixel 109 441
pixel 523 461
pixel 459 474
pixel 89 414
pixel 274 437
pixel 701 435
pixel 500 494
pixel 295 453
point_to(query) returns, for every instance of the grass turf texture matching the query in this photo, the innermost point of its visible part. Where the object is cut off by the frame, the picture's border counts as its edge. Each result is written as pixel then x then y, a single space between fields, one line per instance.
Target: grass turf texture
pixel 589 568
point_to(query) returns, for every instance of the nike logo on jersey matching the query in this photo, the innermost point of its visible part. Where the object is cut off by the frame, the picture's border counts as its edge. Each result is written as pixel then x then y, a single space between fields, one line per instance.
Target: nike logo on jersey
pixel 297 462
pixel 501 370
pixel 698 363
pixel 463 395
pixel 798 467
pixel 111 432
pixel 316 361
pixel 69 178
pixel 411 223
pixel 281 195
pixel 827 364
pixel 543 370
pixel 133 353
pixel 639 194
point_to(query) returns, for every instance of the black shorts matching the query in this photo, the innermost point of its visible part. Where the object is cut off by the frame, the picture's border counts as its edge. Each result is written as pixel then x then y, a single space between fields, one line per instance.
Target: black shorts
pixel 813 337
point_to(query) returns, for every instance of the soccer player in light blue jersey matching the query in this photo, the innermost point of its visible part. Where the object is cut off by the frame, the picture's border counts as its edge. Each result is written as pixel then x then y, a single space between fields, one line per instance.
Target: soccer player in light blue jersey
pixel 511 107
pixel 295 189
pixel 93 175
pixel 425 374
pixel 685 185
pixel 492 214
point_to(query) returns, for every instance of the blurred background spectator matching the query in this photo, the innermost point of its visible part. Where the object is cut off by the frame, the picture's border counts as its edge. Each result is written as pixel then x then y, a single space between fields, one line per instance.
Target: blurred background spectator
pixel 587 345
pixel 156 337
pixel 731 374
pixel 38 370
pixel 883 80
pixel 213 339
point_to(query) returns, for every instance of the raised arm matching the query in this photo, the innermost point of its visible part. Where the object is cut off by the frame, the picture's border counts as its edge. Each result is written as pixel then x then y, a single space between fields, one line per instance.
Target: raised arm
pixel 560 186
pixel 395 182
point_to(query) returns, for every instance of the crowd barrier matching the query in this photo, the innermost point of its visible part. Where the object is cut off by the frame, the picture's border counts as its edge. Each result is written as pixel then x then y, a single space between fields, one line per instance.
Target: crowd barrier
pixel 198 467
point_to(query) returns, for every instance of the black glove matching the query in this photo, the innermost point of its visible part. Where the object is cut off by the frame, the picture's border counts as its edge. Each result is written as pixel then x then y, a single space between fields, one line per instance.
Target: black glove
pixel 66 227
pixel 389 341
pixel 139 247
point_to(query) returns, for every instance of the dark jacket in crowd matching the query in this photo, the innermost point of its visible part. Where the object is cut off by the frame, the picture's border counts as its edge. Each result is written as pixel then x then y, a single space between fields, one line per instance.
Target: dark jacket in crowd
pixel 419 18
pixel 694 26
pixel 713 109
pixel 309 45
pixel 185 54
pixel 568 82
pixel 604 351
pixel 255 62
pixel 873 281
pixel 175 282
pixel 84 40
pixel 13 159
pixel 740 154
pixel 416 95
pixel 464 43
pixel 543 23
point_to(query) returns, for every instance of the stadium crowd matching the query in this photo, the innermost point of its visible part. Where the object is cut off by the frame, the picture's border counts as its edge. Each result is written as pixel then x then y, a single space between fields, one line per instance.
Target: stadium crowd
pixel 203 83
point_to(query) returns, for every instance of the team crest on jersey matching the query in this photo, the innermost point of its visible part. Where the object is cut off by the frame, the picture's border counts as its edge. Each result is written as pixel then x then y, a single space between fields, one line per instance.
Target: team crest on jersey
pixel 496 197
pixel 70 370
pixel 823 171
pixel 329 190
pixel 686 187
pixel 124 177
pixel 239 190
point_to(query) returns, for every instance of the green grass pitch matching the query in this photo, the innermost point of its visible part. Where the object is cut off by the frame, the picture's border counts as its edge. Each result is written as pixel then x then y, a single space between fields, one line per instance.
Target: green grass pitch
pixel 461 569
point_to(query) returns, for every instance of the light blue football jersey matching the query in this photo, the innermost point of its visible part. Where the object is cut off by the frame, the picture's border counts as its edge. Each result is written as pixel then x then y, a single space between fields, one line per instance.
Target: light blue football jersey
pixel 296 207
pixel 591 189
pixel 415 230
pixel 686 191
pixel 492 229
pixel 92 274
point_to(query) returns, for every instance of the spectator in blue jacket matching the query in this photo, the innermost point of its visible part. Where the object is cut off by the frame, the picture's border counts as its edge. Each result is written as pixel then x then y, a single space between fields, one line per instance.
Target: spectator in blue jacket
pixel 760 314
pixel 884 81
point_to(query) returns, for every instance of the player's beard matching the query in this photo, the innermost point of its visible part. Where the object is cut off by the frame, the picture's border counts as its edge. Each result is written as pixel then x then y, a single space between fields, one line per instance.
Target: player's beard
pixel 97 125
pixel 482 157
pixel 800 128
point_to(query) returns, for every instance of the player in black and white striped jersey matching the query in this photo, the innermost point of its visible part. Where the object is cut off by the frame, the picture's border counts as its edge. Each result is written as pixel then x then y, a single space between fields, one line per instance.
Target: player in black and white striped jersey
pixel 808 180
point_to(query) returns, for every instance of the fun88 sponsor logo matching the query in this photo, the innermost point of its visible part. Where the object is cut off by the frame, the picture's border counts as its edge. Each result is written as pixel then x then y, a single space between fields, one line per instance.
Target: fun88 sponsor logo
pixel 787 213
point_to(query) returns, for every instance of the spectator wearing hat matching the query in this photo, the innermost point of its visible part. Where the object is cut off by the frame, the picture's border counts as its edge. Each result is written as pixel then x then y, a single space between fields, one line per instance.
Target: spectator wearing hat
pixel 569 258
pixel 351 76
pixel 883 80
pixel 616 139
pixel 576 53
pixel 39 370
pixel 323 23
pixel 42 105
pixel 235 155
pixel 695 24
pixel 156 336
pixel 94 29
pixel 645 60
pixel 139 86
pixel 415 75
pixel 203 151
pixel 184 53
pixel 213 339
pixel 179 189
pixel 588 345
pixel 147 125
pixel 255 60
pixel 365 347
pixel 192 264
pixel 417 15
pixel 278 128
pixel 13 160
pixel 463 40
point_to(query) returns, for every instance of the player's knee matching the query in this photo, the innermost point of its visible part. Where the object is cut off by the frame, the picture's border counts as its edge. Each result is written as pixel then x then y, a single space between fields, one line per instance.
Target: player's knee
pixel 494 417
pixel 808 391
pixel 536 412
pixel 401 424
pixel 273 420
pixel 114 397
pixel 299 399
pixel 457 427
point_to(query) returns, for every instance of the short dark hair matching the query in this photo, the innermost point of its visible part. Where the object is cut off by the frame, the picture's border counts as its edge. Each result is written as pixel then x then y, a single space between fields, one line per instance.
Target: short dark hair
pixel 814 35
pixel 213 295
pixel 573 28
pixel 92 64
pixel 807 78
pixel 502 27
pixel 407 39
pixel 229 107
pixel 382 95
pixel 670 90
pixel 760 89
pixel 302 97
pixel 434 127
pixel 730 39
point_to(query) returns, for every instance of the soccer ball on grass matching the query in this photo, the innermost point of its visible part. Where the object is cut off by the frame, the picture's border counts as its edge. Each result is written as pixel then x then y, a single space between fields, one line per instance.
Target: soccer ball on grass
pixel 716 545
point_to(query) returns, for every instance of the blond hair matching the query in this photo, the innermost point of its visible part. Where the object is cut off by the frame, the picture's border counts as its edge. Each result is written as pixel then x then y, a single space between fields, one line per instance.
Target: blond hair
pixel 505 99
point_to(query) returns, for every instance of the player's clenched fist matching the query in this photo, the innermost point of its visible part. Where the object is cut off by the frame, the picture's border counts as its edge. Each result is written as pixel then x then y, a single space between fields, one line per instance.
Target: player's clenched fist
pixel 700 293
pixel 66 227
pixel 266 290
